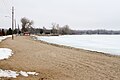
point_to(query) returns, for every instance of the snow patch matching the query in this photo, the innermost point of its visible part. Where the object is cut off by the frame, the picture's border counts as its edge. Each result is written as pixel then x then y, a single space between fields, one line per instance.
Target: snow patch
pixel 24 73
pixel 14 74
pixel 8 73
pixel 32 73
pixel 4 37
pixel 5 53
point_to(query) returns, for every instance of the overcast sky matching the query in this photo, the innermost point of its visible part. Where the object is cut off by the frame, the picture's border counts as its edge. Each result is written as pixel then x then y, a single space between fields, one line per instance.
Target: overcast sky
pixel 78 14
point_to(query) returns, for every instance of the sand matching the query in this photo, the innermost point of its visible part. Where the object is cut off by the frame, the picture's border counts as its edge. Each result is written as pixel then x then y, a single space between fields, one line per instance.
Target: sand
pixel 58 63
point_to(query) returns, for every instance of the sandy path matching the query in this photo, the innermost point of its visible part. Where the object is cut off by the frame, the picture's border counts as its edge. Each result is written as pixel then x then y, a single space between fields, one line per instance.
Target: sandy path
pixel 56 63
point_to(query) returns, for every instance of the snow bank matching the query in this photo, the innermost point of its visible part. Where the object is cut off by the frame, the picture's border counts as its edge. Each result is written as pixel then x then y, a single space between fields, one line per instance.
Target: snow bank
pixel 4 37
pixel 15 74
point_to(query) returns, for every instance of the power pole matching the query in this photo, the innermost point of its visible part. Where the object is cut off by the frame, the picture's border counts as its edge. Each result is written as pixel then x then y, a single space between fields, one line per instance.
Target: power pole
pixel 12 22
pixel 18 27
pixel 15 24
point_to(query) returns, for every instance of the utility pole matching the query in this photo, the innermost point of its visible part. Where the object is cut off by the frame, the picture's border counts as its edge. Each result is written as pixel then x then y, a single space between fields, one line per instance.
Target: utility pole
pixel 12 22
pixel 18 29
pixel 15 24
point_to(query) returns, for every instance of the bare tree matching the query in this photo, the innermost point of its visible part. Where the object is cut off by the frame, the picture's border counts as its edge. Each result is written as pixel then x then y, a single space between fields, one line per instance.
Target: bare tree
pixel 55 28
pixel 26 24
pixel 66 29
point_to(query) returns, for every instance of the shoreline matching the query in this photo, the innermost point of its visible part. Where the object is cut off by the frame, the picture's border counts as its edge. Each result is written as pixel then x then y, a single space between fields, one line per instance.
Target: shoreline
pixel 56 62
pixel 79 49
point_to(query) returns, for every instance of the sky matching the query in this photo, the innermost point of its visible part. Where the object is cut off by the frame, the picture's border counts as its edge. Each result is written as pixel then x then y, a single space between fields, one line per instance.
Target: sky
pixel 78 14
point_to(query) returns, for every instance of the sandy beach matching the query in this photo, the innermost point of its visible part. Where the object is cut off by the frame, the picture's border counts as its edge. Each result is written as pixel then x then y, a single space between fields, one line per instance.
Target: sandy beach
pixel 58 63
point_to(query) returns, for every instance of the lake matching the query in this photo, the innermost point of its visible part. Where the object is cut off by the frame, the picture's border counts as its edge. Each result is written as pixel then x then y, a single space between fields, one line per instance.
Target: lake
pixel 101 43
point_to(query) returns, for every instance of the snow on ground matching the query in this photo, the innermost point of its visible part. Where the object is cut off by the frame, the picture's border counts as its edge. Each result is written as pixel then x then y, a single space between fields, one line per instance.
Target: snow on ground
pixel 14 74
pixel 26 74
pixel 32 73
pixel 4 37
pixel 5 53
pixel 8 73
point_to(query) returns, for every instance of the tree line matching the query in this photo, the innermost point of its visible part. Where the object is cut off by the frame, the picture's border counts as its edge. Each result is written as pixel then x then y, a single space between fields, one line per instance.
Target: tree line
pixel 4 32
pixel 27 26
pixel 99 31
pixel 56 29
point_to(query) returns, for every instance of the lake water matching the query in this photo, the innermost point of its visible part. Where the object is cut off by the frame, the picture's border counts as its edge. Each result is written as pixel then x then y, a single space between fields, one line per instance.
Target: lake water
pixel 101 43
